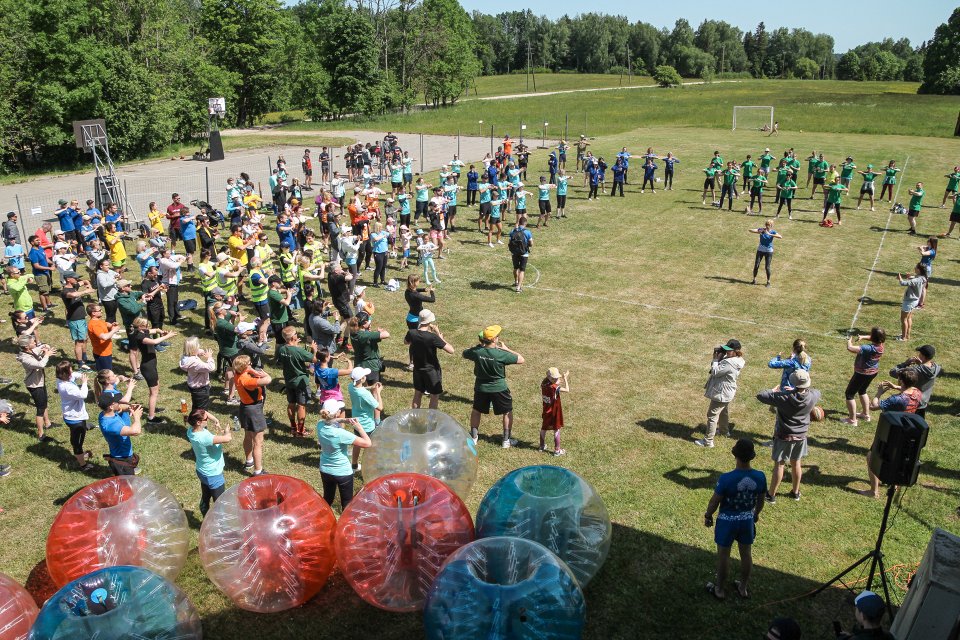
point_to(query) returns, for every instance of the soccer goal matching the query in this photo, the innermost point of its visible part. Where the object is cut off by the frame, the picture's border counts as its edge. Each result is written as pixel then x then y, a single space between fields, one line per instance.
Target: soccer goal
pixel 753 118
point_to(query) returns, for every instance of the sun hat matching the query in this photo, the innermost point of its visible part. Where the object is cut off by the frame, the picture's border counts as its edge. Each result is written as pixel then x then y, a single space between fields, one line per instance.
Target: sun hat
pixel 359 373
pixel 358 290
pixel 427 317
pixel 800 379
pixel 491 332
pixel 124 283
pixel 553 373
pixel 332 406
pixel 244 327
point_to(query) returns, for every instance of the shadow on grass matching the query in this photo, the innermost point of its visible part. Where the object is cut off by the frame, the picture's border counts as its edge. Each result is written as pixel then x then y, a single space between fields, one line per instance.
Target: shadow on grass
pixel 812 475
pixel 871 302
pixel 672 429
pixel 728 280
pixel 692 477
pixel 483 285
pixel 839 444
pixel 626 596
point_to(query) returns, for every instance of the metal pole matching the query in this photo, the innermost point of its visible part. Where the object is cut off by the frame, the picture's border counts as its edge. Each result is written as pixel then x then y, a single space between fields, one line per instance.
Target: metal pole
pixel 269 166
pixel 566 126
pixel 23 223
pixel 206 171
pixel 458 143
pixel 421 153
pixel 491 139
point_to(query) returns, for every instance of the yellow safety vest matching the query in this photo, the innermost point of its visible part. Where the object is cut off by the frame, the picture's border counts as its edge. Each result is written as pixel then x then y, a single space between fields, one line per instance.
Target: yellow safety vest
pixel 258 292
pixel 227 283
pixel 288 272
pixel 208 276
pixel 265 253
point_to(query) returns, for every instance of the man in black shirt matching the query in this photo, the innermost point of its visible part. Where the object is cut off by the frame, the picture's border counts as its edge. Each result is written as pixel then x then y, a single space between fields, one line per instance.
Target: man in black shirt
pixel 869 613
pixel 424 342
pixel 72 294
pixel 151 280
pixel 338 283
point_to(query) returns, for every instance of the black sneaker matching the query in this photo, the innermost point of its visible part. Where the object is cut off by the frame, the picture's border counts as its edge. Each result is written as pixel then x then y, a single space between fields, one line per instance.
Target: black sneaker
pixel 770 499
pixel 248 465
pixel 45 439
pixel 795 496
pixel 5 470
pixel 155 420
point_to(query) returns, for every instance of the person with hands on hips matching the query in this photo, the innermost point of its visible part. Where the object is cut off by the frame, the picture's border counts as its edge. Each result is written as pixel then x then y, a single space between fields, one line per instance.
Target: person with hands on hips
pixel 739 497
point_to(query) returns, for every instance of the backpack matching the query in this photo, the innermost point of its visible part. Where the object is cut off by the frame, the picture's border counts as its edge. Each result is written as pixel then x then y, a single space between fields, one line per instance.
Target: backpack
pixel 518 243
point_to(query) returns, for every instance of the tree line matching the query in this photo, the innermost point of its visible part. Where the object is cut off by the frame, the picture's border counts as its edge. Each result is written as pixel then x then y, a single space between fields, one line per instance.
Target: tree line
pixel 148 66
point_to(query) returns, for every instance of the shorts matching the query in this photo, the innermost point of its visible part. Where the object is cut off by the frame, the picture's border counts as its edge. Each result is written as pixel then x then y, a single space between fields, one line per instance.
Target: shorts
pixel 40 398
pixel 866 187
pixel 858 385
pixel 521 213
pixel 117 265
pixel 451 210
pixel 709 183
pixel 494 219
pixel 726 532
pixel 103 362
pixel 756 192
pixel 784 450
pixel 396 185
pixel 408 177
pixel 308 172
pixel 263 309
pixel 908 307
pixel 428 381
pixel 190 246
pixel 252 418
pixel 954 217
pixel 149 372
pixel 502 402
pixel 406 253
pixel 913 213
pixel 561 201
pixel 44 283
pixel 298 393
pixel 176 233
pixel 78 330
pixel 820 180
pixel 520 262
pixel 544 206
pixel 485 208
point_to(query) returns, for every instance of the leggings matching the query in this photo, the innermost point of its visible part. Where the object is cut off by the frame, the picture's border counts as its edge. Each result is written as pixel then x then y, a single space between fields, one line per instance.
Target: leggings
pixel 758 199
pixel 646 180
pixel 207 494
pixel 405 219
pixel 428 266
pixel 614 190
pixel 78 432
pixel 110 310
pixel 330 485
pixel 380 268
pixel 354 271
pixel 767 258
pixel 471 197
pixel 593 191
pixel 727 190
pixel 858 385
pixel 826 210
pixel 885 189
pixel 668 179
pixel 788 202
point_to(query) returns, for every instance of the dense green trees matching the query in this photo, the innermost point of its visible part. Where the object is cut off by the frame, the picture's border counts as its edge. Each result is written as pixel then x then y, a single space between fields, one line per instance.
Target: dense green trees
pixel 886 60
pixel 941 65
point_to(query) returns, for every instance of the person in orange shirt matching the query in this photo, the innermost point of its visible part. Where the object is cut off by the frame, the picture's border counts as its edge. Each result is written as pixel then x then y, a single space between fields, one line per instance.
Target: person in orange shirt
pixel 251 385
pixel 101 336
pixel 507 146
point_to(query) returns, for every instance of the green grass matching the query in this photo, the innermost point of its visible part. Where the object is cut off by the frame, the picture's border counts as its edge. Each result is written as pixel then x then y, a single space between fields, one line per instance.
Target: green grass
pixel 826 106
pixel 516 83
pixel 631 295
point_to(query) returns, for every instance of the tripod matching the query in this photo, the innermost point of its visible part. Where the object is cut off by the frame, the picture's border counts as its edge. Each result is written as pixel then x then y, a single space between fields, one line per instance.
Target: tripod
pixel 875 556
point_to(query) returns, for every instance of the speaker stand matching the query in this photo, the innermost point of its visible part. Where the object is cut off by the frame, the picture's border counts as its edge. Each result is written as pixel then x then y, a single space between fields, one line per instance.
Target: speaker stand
pixel 875 556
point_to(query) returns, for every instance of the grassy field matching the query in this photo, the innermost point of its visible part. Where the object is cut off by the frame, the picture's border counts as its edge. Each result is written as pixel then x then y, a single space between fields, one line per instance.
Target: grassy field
pixel 631 295
pixel 828 106
pixel 516 83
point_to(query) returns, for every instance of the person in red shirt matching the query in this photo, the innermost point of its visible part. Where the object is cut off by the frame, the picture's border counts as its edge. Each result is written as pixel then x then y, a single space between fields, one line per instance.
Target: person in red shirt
pixel 550 390
pixel 174 211
pixel 307 165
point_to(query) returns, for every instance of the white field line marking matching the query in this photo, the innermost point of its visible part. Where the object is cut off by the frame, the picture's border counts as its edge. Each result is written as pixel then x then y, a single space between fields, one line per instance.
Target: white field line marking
pixel 876 258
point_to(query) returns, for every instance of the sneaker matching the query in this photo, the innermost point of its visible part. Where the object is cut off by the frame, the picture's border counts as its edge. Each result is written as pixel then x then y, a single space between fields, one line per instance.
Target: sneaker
pixel 357 467
pixel 702 442
pixel 84 368
pixel 770 499
pixel 490 244
pixel 509 442
pixel 155 420
pixel 499 241
pixel 233 402
pixel 794 496
pixel 262 472
pixel 476 440
pixel 248 465
pixel 542 449
pixel 137 471
pixel 437 282
pixel 87 468
pixel 560 452
pixel 138 376
pixel 5 470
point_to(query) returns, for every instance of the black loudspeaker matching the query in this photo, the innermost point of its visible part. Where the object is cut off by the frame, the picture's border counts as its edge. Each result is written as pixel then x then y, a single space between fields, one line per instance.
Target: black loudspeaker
pixel 895 454
pixel 216 146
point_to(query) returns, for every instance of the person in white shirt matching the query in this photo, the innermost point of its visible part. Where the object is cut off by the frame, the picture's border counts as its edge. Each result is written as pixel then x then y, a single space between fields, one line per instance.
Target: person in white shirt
pixel 73 390
pixel 170 275
pixel 198 364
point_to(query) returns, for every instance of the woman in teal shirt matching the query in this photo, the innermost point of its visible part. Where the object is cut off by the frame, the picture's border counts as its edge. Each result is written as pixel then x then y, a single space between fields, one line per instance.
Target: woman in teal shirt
pixel 366 404
pixel 208 450
pixel 334 439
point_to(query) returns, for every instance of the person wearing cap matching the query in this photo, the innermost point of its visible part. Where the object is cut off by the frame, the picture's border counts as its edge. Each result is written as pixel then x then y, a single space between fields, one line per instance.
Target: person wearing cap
pixel 366 404
pixel 228 274
pixel 739 497
pixel 251 388
pixel 296 363
pixel 868 610
pixel 117 427
pixel 490 358
pixel 72 295
pixel 765 161
pixel 927 371
pixel 208 452
pixel 34 358
pixel 65 217
pixel 225 334
pixel 334 439
pixel 88 232
pixel 550 390
pixel 63 259
pixel 10 229
pixel 783 629
pixel 721 388
pixel 424 341
pixel 793 406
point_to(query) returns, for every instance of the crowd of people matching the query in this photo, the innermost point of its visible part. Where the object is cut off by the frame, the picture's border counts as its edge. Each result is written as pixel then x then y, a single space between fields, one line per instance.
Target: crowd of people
pixel 280 283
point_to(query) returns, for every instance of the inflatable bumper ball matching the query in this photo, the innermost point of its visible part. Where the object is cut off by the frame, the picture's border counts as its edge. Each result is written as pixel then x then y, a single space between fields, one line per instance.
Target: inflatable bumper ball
pixel 17 609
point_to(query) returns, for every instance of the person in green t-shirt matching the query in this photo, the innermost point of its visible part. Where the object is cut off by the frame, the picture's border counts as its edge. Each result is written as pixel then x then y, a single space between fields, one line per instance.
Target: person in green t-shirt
pixel 787 191
pixel 296 363
pixel 717 160
pixel 279 301
pixel 867 187
pixel 834 193
pixel 819 175
pixel 366 345
pixel 730 175
pixel 747 169
pixel 710 182
pixel 954 219
pixel 756 193
pixel 765 161
pixel 226 336
pixel 913 209
pixel 953 181
pixel 490 359
pixel 889 181
pixel 847 167
pixel 17 288
pixel 811 166
pixel 783 171
pixel 794 164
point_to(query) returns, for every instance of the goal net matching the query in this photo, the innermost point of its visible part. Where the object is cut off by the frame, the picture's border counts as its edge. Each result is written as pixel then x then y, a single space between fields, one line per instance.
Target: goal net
pixel 753 118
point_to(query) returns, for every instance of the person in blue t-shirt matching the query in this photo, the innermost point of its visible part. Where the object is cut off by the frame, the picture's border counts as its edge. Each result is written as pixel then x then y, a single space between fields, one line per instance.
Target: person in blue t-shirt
pixel 42 272
pixel 188 233
pixel 65 217
pixel 668 170
pixel 649 171
pixel 552 165
pixel 96 216
pixel 619 176
pixel 765 249
pixel 208 452
pixel 473 179
pixel 117 428
pixel 739 497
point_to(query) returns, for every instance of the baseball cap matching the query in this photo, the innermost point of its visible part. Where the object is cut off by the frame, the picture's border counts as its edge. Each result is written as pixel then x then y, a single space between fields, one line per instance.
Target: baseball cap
pixel 744 450
pixel 358 290
pixel 244 327
pixel 427 317
pixel 218 291
pixel 332 406
pixel 927 351
pixel 491 332
pixel 124 283
pixel 70 274
pixel 784 629
pixel 61 245
pixel 800 379
pixel 222 257
pixel 359 373
pixel 870 605
pixel 732 345
pixel 62 203
pixel 106 399
pixel 553 373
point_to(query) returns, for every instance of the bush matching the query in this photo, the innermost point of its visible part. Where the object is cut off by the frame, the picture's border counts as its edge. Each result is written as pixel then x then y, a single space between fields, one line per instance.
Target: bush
pixel 667 76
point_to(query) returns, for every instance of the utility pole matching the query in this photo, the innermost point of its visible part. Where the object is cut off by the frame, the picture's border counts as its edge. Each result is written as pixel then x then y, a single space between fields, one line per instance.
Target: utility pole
pixel 528 65
pixel 723 54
